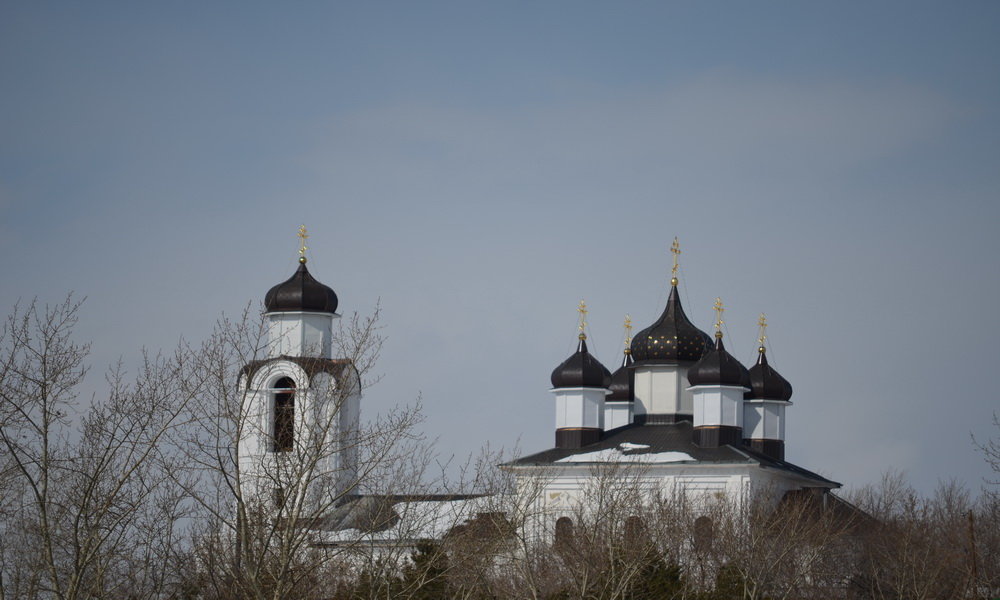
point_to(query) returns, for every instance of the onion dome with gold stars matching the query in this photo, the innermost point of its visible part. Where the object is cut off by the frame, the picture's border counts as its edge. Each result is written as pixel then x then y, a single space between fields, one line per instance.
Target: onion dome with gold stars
pixel 718 367
pixel 672 338
pixel 581 369
pixel 301 291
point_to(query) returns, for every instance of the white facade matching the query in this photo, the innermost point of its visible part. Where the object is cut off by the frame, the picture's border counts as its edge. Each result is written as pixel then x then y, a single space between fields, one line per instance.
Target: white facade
pixel 764 419
pixel 322 459
pixel 718 405
pixel 580 407
pixel 662 390
pixel 300 333
pixel 617 414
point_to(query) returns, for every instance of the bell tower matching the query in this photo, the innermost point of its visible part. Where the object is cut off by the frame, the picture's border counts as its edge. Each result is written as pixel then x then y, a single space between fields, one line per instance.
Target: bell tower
pixel 301 404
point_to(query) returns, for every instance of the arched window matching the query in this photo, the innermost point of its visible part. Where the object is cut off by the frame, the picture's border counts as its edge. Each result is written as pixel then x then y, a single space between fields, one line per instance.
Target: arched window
pixel 635 529
pixel 564 531
pixel 284 414
pixel 704 534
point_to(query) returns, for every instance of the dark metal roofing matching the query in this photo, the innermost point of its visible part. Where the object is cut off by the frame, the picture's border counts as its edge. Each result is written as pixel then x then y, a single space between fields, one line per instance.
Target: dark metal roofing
pixel 672 437
pixel 671 338
pixel 334 366
pixel 622 380
pixel 718 367
pixel 581 369
pixel 301 291
pixel 766 383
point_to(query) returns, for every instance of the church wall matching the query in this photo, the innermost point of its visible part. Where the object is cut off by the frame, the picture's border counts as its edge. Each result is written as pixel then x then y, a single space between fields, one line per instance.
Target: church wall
pixel 300 334
pixel 662 390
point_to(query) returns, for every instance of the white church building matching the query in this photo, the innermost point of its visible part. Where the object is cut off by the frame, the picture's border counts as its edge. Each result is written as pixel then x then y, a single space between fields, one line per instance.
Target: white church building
pixel 680 409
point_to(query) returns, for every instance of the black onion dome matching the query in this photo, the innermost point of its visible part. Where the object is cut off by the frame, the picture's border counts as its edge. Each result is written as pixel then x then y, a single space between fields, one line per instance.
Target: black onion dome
pixel 766 383
pixel 581 370
pixel 718 367
pixel 621 381
pixel 301 292
pixel 672 337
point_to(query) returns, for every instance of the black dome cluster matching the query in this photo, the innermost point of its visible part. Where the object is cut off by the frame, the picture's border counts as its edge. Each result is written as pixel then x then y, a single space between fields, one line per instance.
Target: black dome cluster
pixel 671 338
pixel 766 383
pixel 301 292
pixel 718 367
pixel 581 370
pixel 621 381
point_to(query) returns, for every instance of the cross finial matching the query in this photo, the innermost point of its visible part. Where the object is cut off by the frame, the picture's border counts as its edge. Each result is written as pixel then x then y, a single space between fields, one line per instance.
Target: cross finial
pixel 582 309
pixel 675 249
pixel 628 334
pixel 762 323
pixel 302 235
pixel 718 317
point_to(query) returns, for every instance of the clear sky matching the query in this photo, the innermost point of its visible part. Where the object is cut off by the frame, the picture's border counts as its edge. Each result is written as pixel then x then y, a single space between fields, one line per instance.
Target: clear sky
pixel 481 167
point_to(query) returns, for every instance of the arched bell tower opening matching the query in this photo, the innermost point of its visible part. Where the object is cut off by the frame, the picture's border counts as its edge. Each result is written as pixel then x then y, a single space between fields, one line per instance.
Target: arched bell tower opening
pixel 283 415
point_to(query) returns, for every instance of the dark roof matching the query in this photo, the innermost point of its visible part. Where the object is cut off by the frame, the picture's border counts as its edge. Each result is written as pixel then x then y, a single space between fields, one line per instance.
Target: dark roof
pixel 672 437
pixel 766 383
pixel 718 367
pixel 333 366
pixel 301 291
pixel 581 369
pixel 671 338
pixel 622 380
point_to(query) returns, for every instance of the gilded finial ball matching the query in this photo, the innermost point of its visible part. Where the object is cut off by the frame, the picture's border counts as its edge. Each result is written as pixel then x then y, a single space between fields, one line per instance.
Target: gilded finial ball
pixel 302 259
pixel 673 281
pixel 761 349
pixel 718 335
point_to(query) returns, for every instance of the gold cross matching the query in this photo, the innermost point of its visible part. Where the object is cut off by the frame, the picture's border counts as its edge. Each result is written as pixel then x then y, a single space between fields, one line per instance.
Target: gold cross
pixel 628 333
pixel 302 235
pixel 675 249
pixel 718 316
pixel 582 309
pixel 762 323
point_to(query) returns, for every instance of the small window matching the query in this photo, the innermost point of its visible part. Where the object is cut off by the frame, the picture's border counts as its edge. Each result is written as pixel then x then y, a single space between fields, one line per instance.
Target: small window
pixel 704 534
pixel 284 415
pixel 635 529
pixel 564 531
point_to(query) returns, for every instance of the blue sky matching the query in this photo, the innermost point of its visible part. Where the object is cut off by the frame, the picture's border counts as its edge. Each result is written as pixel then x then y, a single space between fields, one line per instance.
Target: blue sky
pixel 481 167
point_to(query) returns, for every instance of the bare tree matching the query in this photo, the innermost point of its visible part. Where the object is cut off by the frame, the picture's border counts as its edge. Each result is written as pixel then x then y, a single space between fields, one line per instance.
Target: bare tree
pixel 263 525
pixel 88 514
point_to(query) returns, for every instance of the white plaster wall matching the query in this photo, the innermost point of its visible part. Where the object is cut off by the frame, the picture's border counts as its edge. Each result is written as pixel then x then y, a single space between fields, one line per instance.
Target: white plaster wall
pixel 300 334
pixel 662 389
pixel 617 414
pixel 718 405
pixel 326 417
pixel 766 419
pixel 579 407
